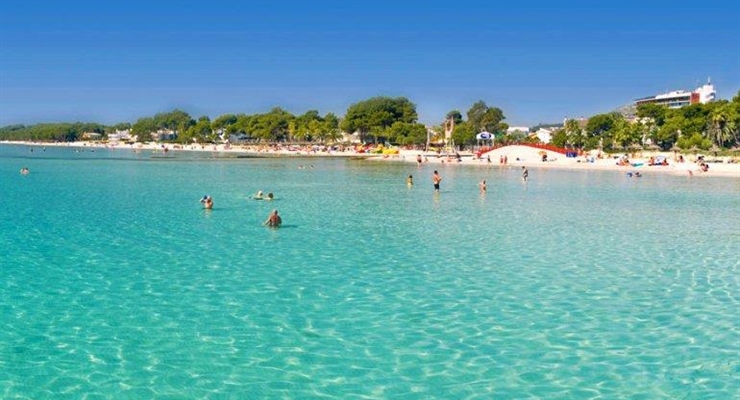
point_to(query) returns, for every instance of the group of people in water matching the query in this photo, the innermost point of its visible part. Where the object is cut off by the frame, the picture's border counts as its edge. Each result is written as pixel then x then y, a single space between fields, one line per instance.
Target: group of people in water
pixel 273 220
pixel 260 196
pixel 482 185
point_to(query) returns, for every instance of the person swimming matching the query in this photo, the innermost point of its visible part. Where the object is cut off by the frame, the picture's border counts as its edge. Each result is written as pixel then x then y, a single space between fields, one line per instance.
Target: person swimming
pixel 274 220
pixel 270 196
pixel 258 196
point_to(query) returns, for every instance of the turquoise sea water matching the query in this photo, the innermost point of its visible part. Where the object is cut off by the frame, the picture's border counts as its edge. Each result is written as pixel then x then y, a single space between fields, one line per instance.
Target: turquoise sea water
pixel 115 283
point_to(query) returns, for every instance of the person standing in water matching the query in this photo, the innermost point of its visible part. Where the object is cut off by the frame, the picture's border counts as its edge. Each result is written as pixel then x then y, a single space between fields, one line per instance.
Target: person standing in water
pixel 483 186
pixel 525 173
pixel 207 202
pixel 410 181
pixel 436 179
pixel 274 219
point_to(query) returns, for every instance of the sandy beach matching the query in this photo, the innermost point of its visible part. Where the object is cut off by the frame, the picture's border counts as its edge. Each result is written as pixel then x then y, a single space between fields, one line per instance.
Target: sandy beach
pixel 516 155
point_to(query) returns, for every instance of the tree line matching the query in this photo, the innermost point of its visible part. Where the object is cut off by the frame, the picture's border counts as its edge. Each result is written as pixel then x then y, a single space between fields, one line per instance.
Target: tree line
pixel 395 120
pixel 377 119
pixel 700 126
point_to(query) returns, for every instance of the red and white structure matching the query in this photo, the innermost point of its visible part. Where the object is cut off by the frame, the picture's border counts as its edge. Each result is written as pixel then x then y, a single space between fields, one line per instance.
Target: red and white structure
pixel 679 98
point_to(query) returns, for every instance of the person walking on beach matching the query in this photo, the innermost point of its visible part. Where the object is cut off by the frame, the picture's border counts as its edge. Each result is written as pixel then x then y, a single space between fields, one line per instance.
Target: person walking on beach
pixel 274 219
pixel 436 179
pixel 525 173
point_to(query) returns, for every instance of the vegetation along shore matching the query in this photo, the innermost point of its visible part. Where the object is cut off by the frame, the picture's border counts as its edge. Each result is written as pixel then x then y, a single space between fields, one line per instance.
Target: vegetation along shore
pixel 711 128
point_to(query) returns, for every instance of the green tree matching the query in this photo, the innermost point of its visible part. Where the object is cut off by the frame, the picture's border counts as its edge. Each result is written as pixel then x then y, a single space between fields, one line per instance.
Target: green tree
pixel 176 120
pixel 330 128
pixel 625 133
pixel 272 126
pixel 667 134
pixel 484 118
pixel 601 128
pixel 405 133
pixel 721 125
pixel 572 134
pixel 464 134
pixel 456 117
pixel 201 132
pixel 560 138
pixel 653 111
pixel 223 122
pixel 122 126
pixel 696 140
pixel 143 128
pixel 375 115
pixel 307 126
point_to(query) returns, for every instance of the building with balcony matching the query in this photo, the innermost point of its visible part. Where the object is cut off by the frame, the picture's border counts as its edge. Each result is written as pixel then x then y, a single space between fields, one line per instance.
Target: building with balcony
pixel 680 98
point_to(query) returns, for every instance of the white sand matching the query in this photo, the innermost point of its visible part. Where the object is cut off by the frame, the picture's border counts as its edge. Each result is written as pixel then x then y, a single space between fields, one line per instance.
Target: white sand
pixel 531 158
pixel 517 156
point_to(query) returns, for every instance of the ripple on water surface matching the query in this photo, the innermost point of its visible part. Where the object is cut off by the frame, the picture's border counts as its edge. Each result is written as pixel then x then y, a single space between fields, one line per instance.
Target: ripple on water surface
pixel 574 285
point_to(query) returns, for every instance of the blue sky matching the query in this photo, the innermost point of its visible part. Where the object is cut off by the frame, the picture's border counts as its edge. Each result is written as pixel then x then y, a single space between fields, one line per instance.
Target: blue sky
pixel 117 61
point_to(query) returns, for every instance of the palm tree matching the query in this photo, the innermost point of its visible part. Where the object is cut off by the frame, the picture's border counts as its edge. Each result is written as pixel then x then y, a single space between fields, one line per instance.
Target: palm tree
pixel 721 128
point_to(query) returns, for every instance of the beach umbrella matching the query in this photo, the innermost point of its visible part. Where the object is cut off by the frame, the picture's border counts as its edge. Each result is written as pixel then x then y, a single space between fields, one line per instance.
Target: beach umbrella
pixel 654 146
pixel 675 148
pixel 694 149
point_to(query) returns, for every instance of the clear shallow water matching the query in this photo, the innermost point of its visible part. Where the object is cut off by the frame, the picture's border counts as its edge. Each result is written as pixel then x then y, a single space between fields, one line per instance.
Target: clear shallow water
pixel 115 283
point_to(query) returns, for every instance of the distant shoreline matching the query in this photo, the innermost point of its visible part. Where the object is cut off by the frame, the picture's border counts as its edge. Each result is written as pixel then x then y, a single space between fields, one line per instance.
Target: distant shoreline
pixel 517 156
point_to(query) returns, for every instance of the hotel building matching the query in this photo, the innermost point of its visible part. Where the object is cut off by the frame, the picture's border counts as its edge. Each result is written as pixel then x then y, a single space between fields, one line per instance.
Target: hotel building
pixel 680 98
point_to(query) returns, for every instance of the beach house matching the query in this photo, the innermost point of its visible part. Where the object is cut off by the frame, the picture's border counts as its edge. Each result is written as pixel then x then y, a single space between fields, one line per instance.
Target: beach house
pixel 120 135
pixel 163 134
pixel 91 136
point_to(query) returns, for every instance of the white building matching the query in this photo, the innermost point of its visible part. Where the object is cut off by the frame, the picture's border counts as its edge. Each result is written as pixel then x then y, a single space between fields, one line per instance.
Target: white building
pixel 119 135
pixel 680 98
pixel 517 129
pixel 92 136
pixel 544 135
pixel 163 134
